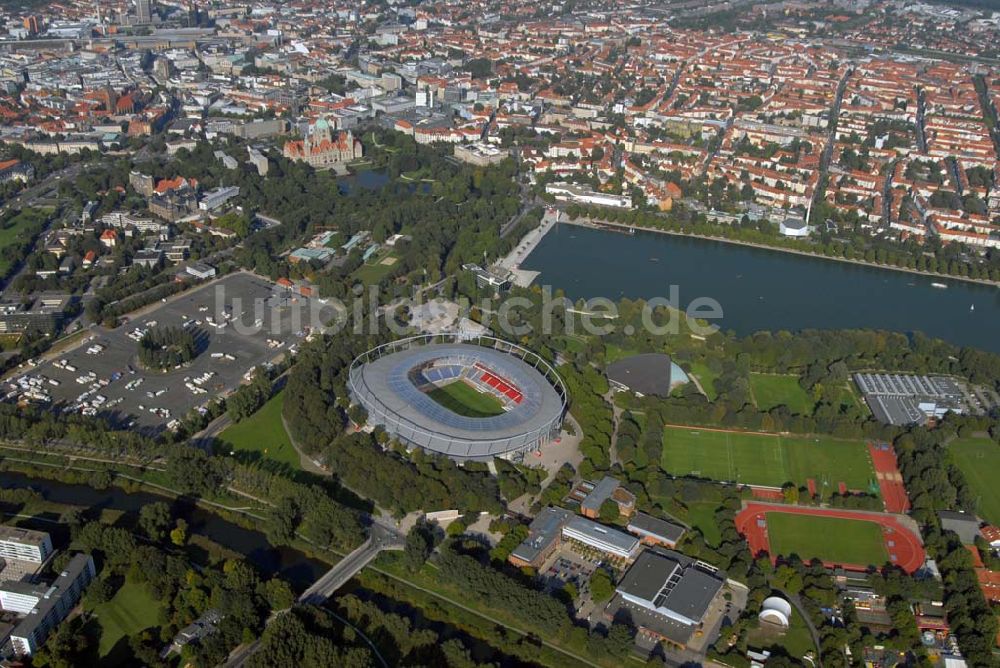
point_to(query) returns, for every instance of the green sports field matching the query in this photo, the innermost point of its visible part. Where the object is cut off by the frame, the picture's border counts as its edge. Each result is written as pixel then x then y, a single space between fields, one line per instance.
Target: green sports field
pixel 831 539
pixel 979 460
pixel 766 459
pixel 460 397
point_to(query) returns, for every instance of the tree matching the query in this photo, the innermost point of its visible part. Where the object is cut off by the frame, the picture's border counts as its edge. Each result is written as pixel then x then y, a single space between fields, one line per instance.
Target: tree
pixel 66 648
pixel 193 472
pixel 101 479
pixel 155 520
pixel 419 544
pixel 278 594
pixel 791 492
pixel 602 588
pixel 281 522
pixel 609 511
pixel 247 399
pixel 619 641
pixel 166 347
pixel 99 591
pixel 178 536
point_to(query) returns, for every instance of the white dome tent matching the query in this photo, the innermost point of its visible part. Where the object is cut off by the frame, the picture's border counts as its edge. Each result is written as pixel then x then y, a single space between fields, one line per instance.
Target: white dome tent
pixel 777 611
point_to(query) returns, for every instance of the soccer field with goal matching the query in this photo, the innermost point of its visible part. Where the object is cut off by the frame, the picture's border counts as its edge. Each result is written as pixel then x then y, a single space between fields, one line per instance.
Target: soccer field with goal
pixel 767 459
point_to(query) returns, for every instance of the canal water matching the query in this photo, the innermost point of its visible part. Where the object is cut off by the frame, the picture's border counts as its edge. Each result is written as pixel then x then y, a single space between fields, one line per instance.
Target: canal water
pixel 290 564
pixel 760 289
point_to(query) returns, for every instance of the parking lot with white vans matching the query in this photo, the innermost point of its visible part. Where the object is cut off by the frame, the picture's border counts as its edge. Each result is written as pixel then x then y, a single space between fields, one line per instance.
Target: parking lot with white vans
pixel 102 375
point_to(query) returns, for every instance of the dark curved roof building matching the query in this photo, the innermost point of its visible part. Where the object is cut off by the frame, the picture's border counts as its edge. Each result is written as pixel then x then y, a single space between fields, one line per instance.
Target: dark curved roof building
pixel 646 374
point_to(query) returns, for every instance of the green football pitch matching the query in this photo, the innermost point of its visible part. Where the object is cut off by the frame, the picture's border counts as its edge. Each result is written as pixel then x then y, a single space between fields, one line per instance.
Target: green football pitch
pixel 831 539
pixel 767 459
pixel 979 460
pixel 460 397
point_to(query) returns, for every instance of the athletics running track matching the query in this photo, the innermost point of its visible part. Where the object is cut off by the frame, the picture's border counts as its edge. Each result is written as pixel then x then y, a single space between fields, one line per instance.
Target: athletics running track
pixel 890 480
pixel 904 547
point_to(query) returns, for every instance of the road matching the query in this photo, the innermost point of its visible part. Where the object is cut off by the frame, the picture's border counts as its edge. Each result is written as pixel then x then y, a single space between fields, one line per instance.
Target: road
pixel 887 193
pixel 921 110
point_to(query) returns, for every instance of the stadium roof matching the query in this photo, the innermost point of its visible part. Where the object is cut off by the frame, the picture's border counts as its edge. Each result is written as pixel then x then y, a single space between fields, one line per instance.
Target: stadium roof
pixel 384 386
pixel 648 373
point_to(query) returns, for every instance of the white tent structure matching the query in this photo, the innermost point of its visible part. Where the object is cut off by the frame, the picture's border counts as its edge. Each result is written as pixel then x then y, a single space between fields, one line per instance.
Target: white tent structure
pixel 776 610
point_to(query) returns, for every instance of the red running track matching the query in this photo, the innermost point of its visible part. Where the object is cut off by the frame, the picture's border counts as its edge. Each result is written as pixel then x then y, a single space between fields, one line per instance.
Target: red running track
pixel 904 548
pixel 766 494
pixel 890 480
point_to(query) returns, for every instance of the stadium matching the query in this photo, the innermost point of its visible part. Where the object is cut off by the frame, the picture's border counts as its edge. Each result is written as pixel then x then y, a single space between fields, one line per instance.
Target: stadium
pixel 470 399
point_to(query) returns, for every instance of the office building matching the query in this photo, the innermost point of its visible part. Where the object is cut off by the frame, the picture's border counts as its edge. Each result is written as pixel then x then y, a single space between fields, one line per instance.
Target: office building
pixel 45 606
pixel 44 315
pixel 217 197
pixel 543 538
pixel 612 542
pixel 24 544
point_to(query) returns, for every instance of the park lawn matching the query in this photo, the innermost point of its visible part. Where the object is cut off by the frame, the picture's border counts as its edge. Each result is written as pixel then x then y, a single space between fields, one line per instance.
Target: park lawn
pixel 613 353
pixel 767 459
pixel 831 539
pixel 771 390
pixel 979 461
pixel 706 377
pixel 847 398
pixel 701 515
pixel 376 268
pixel 796 640
pixel 572 344
pixel 131 610
pixel 17 229
pixel 461 398
pixel 264 433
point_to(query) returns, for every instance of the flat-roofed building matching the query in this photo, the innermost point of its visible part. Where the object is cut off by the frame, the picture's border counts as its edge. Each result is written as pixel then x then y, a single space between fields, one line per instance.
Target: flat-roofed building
pixel 44 315
pixel 668 594
pixel 654 531
pixel 480 154
pixel 607 488
pixel 570 192
pixel 606 539
pixel 45 606
pixel 24 544
pixel 543 538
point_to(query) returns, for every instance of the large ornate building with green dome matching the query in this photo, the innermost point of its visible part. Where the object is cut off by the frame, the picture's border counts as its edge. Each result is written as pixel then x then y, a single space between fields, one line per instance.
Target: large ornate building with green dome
pixel 323 147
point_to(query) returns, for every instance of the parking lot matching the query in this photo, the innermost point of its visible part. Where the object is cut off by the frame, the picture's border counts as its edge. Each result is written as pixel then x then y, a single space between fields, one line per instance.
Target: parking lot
pixel 239 322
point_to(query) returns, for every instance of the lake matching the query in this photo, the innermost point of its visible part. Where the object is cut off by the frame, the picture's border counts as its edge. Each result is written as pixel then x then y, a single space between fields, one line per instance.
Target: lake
pixel 365 179
pixel 760 289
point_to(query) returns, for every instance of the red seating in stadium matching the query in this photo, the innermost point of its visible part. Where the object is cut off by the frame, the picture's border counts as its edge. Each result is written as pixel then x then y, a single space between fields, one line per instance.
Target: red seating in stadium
pixel 501 386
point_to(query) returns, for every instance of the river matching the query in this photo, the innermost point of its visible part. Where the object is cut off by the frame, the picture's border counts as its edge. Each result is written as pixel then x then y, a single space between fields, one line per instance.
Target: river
pixel 761 289
pixel 290 564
